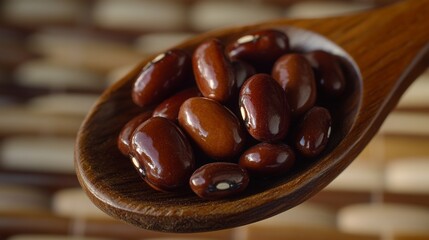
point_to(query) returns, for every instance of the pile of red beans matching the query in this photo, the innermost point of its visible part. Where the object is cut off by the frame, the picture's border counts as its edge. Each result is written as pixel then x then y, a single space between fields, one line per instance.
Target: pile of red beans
pixel 228 113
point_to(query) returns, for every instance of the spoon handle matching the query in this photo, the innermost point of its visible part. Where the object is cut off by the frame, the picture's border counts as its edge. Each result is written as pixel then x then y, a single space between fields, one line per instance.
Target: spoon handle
pixel 391 45
pixel 385 42
pixel 391 49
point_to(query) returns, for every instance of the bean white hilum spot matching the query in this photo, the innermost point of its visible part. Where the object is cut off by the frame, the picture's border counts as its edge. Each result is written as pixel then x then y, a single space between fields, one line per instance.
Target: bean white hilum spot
pixel 222 186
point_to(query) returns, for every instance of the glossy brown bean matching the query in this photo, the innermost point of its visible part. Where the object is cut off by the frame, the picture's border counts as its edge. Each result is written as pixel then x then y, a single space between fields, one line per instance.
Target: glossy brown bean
pixel 294 74
pixel 219 180
pixel 329 75
pixel 266 159
pixel 313 132
pixel 124 138
pixel 213 72
pixel 259 47
pixel 242 72
pixel 162 154
pixel 264 108
pixel 169 108
pixel 214 128
pixel 161 76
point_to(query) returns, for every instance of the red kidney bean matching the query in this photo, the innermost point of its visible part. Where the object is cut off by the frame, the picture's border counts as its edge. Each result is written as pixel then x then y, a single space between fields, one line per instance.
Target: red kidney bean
pixel 161 76
pixel 213 72
pixel 266 159
pixel 219 180
pixel 215 129
pixel 169 108
pixel 329 75
pixel 294 74
pixel 124 138
pixel 242 71
pixel 313 132
pixel 259 47
pixel 264 108
pixel 162 154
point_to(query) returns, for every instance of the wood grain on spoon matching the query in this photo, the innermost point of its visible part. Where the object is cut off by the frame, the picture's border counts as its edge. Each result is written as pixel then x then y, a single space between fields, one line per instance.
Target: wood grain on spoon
pixel 388 48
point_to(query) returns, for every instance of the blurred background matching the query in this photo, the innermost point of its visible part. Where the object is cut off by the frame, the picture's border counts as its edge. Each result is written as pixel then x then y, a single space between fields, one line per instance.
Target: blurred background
pixel 57 56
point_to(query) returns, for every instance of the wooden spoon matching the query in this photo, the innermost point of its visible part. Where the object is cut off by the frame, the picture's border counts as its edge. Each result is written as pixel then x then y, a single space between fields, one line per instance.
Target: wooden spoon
pixel 386 49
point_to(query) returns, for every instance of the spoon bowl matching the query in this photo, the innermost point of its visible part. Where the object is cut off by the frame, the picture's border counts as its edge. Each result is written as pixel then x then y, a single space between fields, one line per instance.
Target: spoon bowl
pixel 382 51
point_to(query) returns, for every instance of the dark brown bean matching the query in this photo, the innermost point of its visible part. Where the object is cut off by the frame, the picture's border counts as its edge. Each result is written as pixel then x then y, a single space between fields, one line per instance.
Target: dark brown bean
pixel 215 129
pixel 162 154
pixel 169 108
pixel 294 74
pixel 313 132
pixel 124 138
pixel 259 47
pixel 264 108
pixel 213 72
pixel 329 75
pixel 161 76
pixel 219 180
pixel 242 71
pixel 265 159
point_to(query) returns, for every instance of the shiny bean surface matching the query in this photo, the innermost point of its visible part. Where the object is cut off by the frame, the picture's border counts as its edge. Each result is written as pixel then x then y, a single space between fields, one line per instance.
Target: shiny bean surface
pixel 162 154
pixel 213 72
pixel 164 74
pixel 259 47
pixel 219 180
pixel 214 128
pixel 294 74
pixel 329 75
pixel 266 159
pixel 242 71
pixel 313 132
pixel 264 108
pixel 169 108
pixel 124 138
